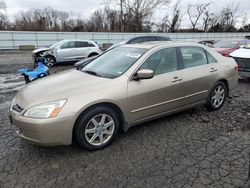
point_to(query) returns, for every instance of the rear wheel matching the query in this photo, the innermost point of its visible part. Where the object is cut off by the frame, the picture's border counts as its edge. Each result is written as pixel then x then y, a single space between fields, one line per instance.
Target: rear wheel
pixel 96 128
pixel 217 96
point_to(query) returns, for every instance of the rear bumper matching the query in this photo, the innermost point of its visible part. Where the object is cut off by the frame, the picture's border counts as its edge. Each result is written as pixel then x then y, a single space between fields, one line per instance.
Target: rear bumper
pixel 47 132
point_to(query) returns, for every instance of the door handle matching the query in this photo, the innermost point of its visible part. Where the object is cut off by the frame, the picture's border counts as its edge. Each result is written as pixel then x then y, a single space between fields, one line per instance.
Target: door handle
pixel 213 69
pixel 176 79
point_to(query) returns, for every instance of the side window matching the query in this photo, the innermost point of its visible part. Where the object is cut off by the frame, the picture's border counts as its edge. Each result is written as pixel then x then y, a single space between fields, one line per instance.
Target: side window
pixel 139 40
pixel 91 45
pixel 148 39
pixel 193 56
pixel 210 58
pixel 70 44
pixel 80 44
pixel 163 39
pixel 162 61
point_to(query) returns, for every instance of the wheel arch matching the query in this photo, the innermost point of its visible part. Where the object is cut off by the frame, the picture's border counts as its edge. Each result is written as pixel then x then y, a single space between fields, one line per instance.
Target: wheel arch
pixel 52 56
pixel 116 108
pixel 226 84
pixel 93 54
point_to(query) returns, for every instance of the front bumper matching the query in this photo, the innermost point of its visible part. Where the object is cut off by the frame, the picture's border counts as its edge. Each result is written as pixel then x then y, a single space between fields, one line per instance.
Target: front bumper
pixel 47 132
pixel 244 74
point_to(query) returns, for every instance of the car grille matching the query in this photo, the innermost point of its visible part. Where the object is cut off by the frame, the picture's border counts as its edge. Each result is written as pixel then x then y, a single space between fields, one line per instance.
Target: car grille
pixel 244 64
pixel 17 108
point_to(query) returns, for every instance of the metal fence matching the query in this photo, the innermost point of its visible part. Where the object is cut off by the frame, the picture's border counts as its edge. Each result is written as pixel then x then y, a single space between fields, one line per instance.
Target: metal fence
pixel 13 39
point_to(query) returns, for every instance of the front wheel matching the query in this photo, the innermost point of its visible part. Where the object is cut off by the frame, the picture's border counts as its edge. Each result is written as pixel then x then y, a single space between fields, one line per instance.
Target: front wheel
pixel 217 96
pixel 96 128
pixel 49 61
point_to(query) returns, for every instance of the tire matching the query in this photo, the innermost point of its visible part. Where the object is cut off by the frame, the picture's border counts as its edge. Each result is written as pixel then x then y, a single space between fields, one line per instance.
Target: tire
pixel 217 96
pixel 90 132
pixel 49 60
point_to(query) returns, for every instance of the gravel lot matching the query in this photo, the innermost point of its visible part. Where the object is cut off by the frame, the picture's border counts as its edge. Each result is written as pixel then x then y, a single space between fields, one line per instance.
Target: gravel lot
pixel 195 148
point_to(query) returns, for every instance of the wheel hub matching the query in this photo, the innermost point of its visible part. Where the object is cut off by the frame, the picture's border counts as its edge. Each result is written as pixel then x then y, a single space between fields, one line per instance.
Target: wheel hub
pixel 99 129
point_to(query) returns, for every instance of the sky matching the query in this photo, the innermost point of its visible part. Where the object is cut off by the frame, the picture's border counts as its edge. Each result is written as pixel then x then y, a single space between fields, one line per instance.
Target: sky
pixel 86 7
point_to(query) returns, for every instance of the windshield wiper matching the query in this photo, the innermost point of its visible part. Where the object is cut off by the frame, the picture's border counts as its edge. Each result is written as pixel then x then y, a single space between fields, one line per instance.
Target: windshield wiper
pixel 92 73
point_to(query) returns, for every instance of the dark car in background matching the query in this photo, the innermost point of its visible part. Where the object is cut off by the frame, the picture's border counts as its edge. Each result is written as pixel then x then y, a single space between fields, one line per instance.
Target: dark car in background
pixel 225 47
pixel 141 39
pixel 134 40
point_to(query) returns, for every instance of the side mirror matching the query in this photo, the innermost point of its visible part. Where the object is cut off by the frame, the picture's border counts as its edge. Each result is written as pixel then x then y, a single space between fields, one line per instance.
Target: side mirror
pixel 144 74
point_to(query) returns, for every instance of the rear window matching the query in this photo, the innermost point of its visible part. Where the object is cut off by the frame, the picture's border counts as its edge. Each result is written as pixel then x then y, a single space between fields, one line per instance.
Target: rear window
pixel 226 44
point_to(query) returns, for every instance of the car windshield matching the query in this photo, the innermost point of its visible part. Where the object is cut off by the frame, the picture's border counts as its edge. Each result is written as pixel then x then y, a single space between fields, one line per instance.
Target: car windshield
pixel 226 44
pixel 115 62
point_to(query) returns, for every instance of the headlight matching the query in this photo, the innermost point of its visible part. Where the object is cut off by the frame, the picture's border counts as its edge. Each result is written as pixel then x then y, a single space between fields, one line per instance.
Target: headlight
pixel 46 110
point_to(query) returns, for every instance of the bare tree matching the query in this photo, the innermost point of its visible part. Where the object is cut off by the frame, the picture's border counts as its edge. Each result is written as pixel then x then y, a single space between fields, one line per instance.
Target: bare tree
pixel 244 19
pixel 3 17
pixel 173 21
pixel 208 20
pixel 135 14
pixel 229 17
pixel 195 12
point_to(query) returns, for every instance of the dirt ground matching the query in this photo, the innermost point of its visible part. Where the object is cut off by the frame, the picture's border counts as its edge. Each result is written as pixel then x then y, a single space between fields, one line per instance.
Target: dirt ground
pixel 194 148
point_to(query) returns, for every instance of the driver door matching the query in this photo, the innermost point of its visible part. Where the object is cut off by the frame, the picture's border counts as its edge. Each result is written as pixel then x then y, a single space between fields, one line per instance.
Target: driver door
pixel 160 94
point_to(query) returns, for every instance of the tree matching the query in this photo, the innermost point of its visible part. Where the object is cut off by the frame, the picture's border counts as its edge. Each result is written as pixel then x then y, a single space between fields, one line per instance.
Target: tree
pixel 195 12
pixel 229 17
pixel 226 19
pixel 134 15
pixel 3 17
pixel 173 21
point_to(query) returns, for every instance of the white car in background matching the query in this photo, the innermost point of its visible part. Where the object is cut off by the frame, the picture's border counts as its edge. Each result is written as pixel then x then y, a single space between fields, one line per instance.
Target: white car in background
pixel 242 57
pixel 67 51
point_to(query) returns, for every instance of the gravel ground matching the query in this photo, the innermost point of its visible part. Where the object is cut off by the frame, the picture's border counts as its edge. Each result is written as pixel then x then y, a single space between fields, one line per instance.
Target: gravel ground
pixel 194 148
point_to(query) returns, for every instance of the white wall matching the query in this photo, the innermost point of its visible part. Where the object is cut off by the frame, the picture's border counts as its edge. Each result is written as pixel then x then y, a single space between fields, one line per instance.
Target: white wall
pixel 13 39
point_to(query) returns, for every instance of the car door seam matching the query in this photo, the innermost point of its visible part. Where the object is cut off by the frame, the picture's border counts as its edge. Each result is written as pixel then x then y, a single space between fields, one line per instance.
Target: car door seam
pixel 169 101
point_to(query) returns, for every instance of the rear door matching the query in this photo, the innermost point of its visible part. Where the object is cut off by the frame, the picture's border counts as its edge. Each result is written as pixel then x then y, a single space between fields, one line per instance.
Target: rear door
pixel 200 72
pixel 162 93
pixel 83 49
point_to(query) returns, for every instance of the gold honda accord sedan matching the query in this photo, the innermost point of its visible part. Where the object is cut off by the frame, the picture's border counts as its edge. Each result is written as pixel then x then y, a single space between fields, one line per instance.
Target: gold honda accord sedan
pixel 121 88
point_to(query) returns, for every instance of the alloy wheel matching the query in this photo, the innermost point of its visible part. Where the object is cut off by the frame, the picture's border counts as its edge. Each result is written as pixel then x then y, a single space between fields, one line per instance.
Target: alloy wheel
pixel 218 96
pixel 49 61
pixel 99 129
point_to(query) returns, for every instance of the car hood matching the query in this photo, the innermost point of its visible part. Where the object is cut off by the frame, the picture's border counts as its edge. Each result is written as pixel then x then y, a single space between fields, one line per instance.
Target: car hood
pixel 40 50
pixel 59 86
pixel 241 53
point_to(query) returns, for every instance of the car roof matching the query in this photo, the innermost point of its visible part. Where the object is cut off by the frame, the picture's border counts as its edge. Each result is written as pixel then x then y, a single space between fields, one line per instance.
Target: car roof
pixel 81 40
pixel 149 45
pixel 145 36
